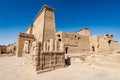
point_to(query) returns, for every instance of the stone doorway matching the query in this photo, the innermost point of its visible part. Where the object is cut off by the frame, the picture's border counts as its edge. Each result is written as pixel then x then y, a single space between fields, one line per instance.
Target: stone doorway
pixel 67 62
pixel 66 50
pixel 93 48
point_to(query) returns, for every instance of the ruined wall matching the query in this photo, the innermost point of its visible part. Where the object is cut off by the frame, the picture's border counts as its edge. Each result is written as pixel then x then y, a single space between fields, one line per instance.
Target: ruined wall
pixel 3 49
pixel 11 48
pixel 115 46
pixel 51 57
pixel 74 42
pixel 84 32
pixel 102 44
pixel 94 43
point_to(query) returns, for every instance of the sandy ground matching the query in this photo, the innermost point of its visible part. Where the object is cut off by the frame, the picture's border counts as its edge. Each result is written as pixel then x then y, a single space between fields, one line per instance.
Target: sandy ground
pixel 12 68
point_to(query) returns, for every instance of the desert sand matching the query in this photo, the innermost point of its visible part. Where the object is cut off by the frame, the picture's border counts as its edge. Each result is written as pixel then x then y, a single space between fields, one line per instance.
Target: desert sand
pixel 12 68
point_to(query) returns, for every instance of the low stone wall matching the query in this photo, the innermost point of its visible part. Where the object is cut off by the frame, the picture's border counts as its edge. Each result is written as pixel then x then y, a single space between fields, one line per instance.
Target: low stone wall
pixel 46 61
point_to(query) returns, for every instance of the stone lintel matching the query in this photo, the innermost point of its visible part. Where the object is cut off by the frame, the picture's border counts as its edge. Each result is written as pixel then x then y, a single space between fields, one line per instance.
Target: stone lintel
pixel 24 35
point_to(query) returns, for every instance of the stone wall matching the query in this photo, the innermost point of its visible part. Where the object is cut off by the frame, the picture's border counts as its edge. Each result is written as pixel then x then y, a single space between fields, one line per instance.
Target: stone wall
pixel 47 59
pixel 11 48
pixel 21 42
pixel 44 25
pixel 84 32
pixel 103 44
pixel 74 42
pixel 38 25
pixel 3 49
pixel 115 46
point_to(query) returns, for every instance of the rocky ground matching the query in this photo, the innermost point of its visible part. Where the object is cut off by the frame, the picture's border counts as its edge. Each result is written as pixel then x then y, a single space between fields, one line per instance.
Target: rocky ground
pixel 12 68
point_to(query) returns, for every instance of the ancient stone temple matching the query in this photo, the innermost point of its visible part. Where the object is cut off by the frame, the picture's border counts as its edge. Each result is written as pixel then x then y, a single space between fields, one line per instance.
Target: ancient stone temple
pixel 45 49
pixel 43 31
pixel 38 45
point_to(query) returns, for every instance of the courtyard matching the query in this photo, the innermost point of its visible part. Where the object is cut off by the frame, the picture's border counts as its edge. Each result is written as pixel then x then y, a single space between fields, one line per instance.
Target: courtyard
pixel 12 68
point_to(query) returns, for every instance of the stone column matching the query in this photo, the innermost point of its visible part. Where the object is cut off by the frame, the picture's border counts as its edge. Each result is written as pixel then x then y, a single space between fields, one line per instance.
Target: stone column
pixel 40 59
pixel 56 45
pixel 51 45
pixel 61 47
pixel 48 46
pixel 44 49
pixel 36 55
pixel 20 47
pixel 45 46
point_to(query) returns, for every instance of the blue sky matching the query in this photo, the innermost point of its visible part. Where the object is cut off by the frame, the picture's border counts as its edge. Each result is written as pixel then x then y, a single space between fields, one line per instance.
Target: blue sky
pixel 100 16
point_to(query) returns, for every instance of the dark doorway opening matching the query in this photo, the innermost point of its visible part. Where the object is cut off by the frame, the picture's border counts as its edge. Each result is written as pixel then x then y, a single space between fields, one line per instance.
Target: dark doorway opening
pixel 2 52
pixel 93 48
pixel 66 50
pixel 14 48
pixel 67 62
pixel 109 41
